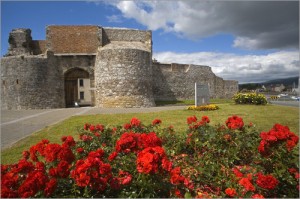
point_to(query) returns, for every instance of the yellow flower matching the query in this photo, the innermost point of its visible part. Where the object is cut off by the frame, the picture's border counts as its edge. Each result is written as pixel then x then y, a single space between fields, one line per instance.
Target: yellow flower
pixel 209 107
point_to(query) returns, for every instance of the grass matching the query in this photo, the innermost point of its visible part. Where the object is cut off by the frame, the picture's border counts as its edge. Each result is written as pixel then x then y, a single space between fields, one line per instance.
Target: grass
pixel 190 102
pixel 263 117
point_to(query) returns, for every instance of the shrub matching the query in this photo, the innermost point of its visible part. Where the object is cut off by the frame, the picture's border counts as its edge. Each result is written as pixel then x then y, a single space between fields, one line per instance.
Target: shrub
pixel 137 160
pixel 210 107
pixel 250 98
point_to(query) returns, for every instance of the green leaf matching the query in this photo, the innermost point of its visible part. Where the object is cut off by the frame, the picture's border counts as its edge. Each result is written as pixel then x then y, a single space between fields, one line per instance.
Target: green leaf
pixel 187 195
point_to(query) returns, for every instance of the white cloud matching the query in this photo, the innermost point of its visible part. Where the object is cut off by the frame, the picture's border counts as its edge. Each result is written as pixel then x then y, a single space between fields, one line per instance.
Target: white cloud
pixel 256 24
pixel 244 68
pixel 153 19
pixel 114 19
pixel 245 42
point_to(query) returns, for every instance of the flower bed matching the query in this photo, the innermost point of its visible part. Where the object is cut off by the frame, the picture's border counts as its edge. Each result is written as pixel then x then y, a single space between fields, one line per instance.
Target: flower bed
pixel 136 160
pixel 210 107
pixel 250 98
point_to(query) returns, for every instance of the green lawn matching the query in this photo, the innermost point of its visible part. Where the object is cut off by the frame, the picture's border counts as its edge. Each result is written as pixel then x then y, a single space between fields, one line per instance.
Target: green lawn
pixel 263 117
pixel 190 102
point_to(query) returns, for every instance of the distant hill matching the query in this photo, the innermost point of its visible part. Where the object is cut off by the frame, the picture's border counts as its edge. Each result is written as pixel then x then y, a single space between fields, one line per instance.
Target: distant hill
pixel 287 82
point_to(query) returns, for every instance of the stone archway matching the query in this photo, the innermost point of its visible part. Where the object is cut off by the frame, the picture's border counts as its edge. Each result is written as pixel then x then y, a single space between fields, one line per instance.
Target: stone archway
pixel 71 85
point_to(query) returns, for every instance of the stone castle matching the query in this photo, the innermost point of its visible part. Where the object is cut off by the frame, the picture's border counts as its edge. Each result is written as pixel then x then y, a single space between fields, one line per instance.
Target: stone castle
pixel 92 65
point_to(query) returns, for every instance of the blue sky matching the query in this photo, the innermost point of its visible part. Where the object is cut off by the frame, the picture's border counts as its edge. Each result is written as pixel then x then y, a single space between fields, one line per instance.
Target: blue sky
pixel 240 40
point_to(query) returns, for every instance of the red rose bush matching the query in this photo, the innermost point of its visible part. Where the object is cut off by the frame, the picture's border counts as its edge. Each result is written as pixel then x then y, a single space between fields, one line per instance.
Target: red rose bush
pixel 136 160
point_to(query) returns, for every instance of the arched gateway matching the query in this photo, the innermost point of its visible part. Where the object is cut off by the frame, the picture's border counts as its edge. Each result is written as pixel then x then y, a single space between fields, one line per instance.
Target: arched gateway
pixel 77 85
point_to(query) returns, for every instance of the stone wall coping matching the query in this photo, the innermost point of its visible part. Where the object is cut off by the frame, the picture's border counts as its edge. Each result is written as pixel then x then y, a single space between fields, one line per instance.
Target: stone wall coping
pixel 121 28
pixel 126 45
pixel 73 54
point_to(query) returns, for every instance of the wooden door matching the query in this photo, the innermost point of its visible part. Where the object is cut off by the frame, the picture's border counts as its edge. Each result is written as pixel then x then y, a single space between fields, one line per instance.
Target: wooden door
pixel 71 92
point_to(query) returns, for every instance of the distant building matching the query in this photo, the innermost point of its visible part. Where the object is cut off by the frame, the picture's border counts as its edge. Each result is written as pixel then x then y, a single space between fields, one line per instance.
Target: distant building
pixel 296 90
pixel 279 88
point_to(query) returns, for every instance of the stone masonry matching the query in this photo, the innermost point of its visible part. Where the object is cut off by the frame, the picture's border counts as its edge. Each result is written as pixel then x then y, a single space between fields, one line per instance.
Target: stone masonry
pixel 38 74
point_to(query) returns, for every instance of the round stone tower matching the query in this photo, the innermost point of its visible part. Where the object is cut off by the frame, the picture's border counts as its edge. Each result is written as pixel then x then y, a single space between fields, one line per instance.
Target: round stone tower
pixel 123 75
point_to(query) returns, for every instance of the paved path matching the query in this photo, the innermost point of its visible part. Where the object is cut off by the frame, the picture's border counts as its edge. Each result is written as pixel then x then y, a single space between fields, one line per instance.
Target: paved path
pixel 16 125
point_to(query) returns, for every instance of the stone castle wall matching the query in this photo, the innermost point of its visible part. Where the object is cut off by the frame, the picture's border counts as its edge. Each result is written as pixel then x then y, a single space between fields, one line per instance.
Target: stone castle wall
pixel 177 82
pixel 118 63
pixel 230 88
pixel 31 82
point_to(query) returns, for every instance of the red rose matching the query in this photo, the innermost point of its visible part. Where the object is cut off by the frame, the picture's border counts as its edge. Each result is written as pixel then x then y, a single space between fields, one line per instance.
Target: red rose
pixel 292 170
pixel 262 147
pixel 112 156
pixel 178 193
pixel 205 119
pixel 100 127
pixel 257 196
pixel 8 193
pixel 92 128
pixel 237 173
pixel 66 154
pixel 266 181
pixel 124 178
pixel 128 142
pixel 105 169
pixel 50 187
pixel 127 126
pixel 135 122
pixel 63 169
pixel 69 141
pixel 176 177
pixel 156 122
pixel 294 137
pixel 166 164
pixel 191 119
pixel 86 126
pixel 230 192
pixel 188 184
pixel 80 150
pixel 149 140
pixel 234 122
pixel 83 180
pixel 290 144
pixel 150 159
pixel 245 182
